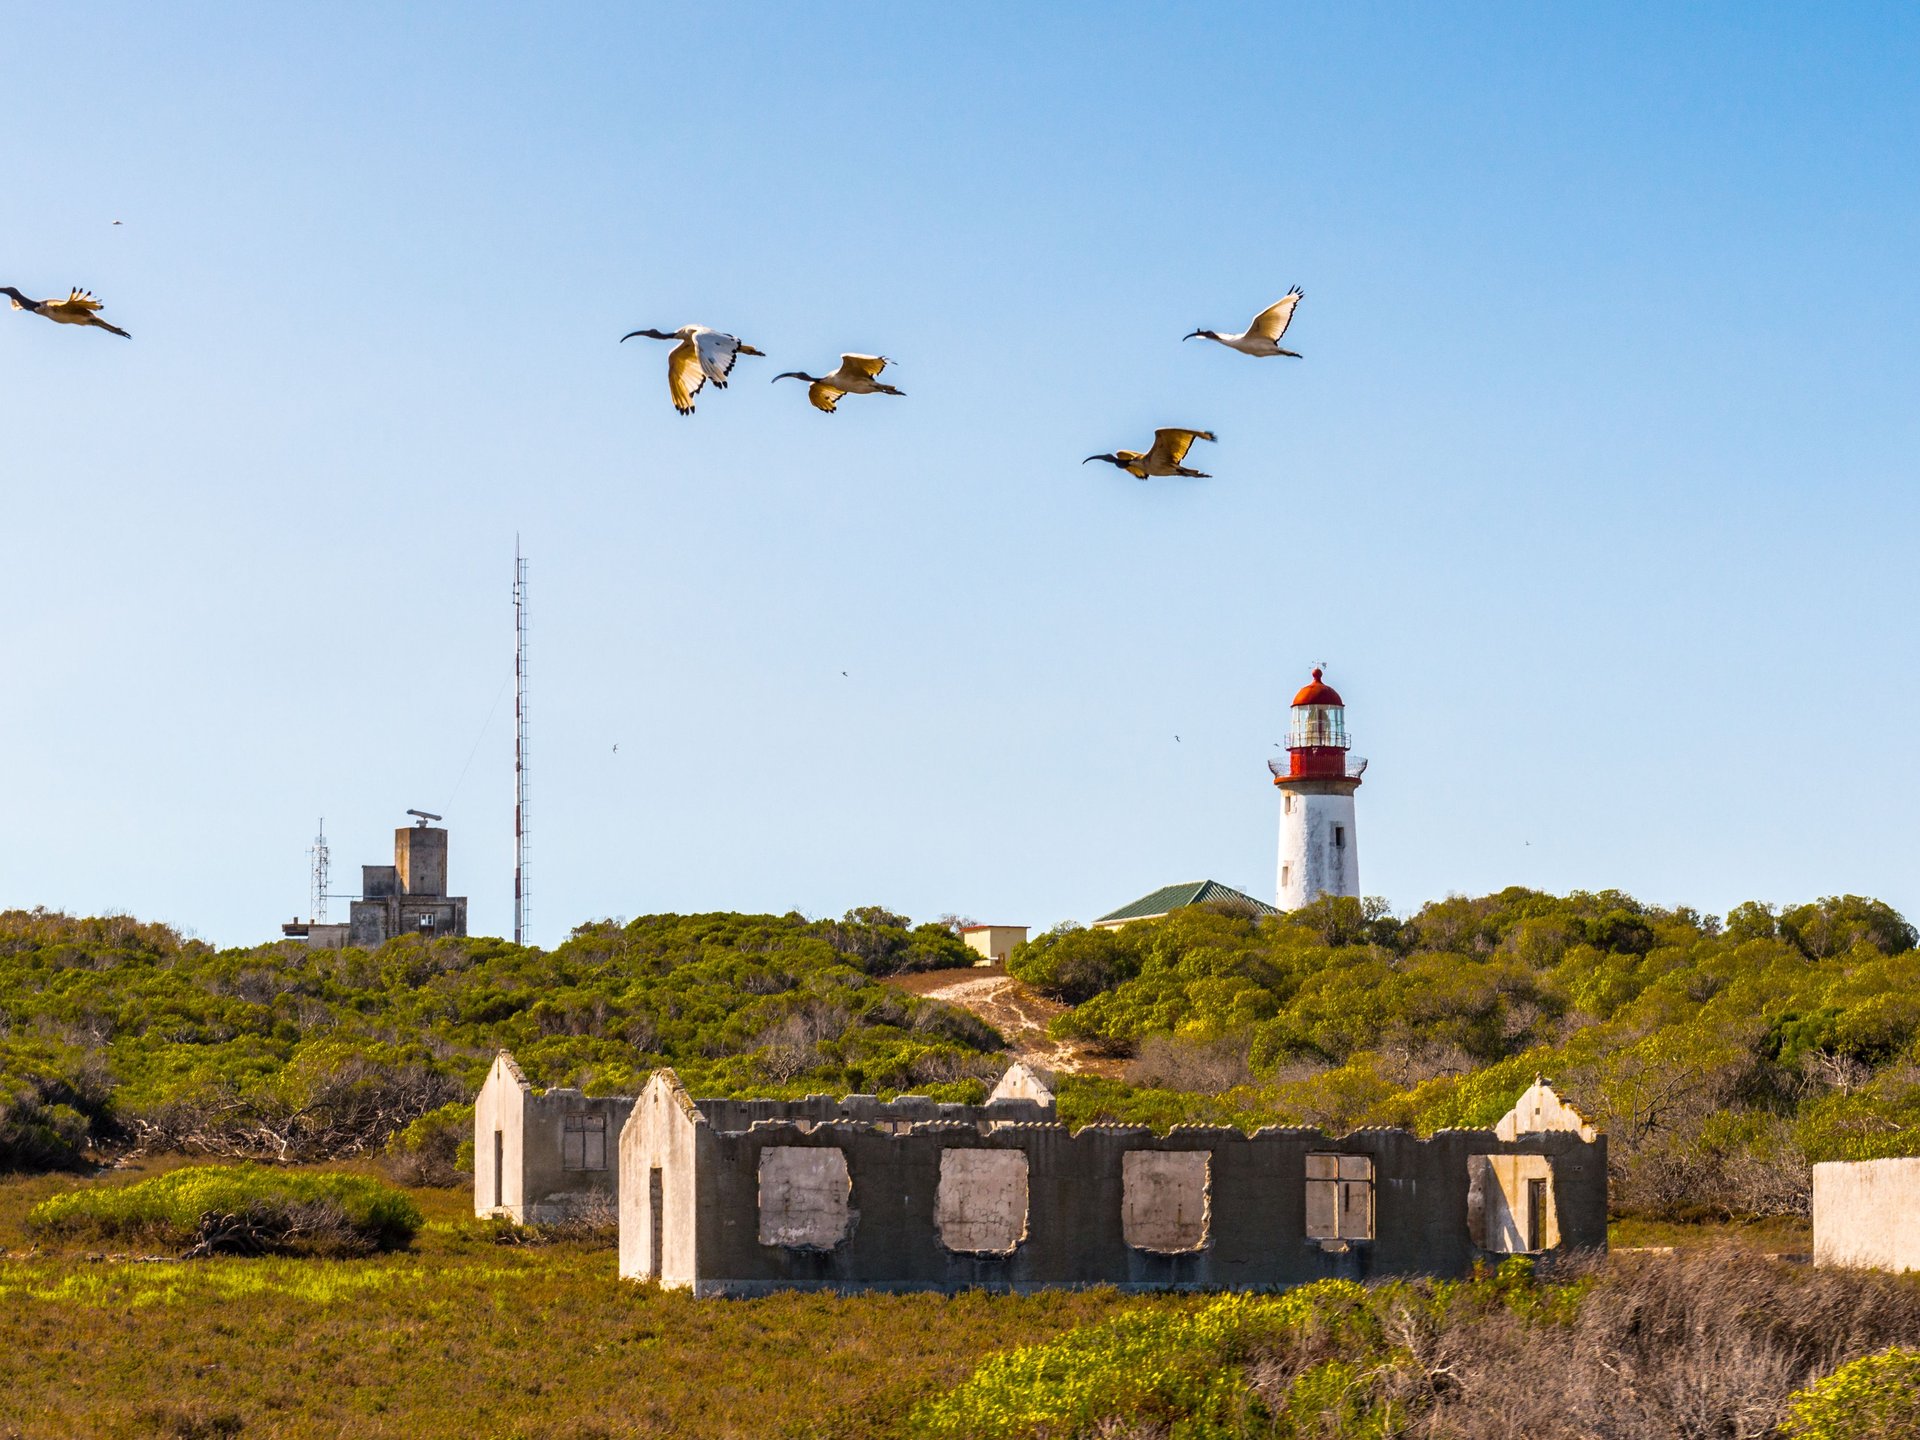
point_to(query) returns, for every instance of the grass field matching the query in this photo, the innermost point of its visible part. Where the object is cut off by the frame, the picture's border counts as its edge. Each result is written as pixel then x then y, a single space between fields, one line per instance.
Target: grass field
pixel 464 1337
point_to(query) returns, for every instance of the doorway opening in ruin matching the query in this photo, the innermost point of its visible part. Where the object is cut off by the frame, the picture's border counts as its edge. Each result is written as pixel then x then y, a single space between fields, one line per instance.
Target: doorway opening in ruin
pixel 499 1168
pixel 1536 1215
pixel 657 1232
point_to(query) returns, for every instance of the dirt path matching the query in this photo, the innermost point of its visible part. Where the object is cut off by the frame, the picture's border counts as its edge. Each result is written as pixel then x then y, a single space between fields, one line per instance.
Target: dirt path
pixel 1012 1009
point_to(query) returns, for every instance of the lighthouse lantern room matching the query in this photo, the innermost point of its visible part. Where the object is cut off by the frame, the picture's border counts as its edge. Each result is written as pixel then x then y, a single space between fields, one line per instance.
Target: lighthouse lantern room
pixel 1319 852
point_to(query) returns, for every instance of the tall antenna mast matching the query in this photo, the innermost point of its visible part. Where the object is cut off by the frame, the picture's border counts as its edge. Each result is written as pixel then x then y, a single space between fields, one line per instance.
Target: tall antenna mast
pixel 520 892
pixel 317 900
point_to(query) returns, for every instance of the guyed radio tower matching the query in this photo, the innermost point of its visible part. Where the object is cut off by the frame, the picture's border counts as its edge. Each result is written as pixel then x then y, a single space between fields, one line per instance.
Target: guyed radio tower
pixel 520 892
pixel 317 898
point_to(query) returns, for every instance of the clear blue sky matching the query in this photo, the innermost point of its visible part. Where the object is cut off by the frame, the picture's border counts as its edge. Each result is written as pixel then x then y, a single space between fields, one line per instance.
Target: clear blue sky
pixel 1595 489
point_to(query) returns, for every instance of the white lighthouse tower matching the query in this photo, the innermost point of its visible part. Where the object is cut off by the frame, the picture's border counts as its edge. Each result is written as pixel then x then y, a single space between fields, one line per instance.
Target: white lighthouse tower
pixel 1319 853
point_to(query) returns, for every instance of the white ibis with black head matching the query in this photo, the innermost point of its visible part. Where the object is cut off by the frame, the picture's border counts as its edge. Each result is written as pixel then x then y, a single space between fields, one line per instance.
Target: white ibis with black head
pixel 79 308
pixel 857 375
pixel 1262 337
pixel 1170 447
pixel 701 355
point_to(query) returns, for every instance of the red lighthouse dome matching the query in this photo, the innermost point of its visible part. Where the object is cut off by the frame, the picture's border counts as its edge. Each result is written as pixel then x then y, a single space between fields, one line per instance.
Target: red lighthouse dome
pixel 1317 693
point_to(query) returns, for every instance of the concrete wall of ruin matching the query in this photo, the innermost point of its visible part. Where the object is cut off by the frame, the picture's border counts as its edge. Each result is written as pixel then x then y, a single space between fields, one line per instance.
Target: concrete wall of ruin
pixel 948 1205
pixel 1866 1213
pixel 543 1144
pixel 660 1224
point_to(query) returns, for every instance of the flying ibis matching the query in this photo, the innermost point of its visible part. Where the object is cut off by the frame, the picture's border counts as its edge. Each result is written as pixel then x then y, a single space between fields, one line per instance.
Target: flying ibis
pixel 1169 449
pixel 857 375
pixel 1262 337
pixel 77 309
pixel 701 355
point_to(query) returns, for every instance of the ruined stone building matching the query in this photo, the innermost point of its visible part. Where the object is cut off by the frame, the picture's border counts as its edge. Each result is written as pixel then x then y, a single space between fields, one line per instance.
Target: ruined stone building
pixel 743 1197
pixel 543 1156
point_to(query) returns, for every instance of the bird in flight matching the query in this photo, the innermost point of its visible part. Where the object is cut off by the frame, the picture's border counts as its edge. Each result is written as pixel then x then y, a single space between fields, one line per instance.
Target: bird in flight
pixel 77 309
pixel 1169 449
pixel 845 676
pixel 857 375
pixel 1262 337
pixel 701 355
pixel 1176 739
pixel 616 748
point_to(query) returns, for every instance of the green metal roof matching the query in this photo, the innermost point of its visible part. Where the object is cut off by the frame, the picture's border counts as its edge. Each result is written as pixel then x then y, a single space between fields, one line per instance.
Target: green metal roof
pixel 1172 897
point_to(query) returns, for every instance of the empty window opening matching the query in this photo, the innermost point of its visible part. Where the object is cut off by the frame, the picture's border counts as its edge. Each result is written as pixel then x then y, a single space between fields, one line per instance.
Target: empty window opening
pixel 583 1142
pixel 499 1169
pixel 656 1225
pixel 1287 805
pixel 1286 874
pixel 1339 837
pixel 1339 1197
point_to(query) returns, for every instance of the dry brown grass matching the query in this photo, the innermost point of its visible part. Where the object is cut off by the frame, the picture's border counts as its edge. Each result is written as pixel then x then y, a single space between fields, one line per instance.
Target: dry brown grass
pixel 466 1338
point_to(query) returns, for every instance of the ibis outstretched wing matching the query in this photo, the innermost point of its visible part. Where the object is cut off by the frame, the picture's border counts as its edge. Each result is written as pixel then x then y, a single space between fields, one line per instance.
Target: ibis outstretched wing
pixel 867 365
pixel 83 299
pixel 1271 323
pixel 824 396
pixel 685 375
pixel 1170 446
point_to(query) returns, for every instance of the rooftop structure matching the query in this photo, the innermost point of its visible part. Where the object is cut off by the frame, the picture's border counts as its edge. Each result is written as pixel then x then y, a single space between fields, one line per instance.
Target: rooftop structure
pixel 1169 898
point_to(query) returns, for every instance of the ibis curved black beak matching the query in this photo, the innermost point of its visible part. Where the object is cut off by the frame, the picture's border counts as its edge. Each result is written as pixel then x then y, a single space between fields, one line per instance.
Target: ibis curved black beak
pixel 630 334
pixel 1189 337
pixel 791 375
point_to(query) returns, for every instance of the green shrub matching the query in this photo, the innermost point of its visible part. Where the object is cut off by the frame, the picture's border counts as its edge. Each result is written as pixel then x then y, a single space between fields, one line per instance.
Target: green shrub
pixel 1148 1365
pixel 436 1149
pixel 245 1209
pixel 1876 1396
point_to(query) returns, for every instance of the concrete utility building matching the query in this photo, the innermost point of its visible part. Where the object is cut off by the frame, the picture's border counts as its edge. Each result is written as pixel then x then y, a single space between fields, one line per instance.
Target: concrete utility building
pixel 404 898
pixel 1866 1214
pixel 993 943
pixel 1319 844
pixel 1169 898
pixel 732 1197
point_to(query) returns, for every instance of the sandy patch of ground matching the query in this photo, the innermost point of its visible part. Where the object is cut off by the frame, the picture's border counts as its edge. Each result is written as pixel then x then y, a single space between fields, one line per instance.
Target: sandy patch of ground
pixel 1012 1009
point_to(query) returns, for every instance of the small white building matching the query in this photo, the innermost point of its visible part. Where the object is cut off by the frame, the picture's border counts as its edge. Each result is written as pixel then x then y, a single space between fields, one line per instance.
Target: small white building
pixel 993 943
pixel 1866 1214
pixel 1319 846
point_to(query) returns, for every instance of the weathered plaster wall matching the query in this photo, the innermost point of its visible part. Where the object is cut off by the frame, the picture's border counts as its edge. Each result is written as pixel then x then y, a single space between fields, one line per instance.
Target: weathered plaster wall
pixel 1022 1081
pixel 664 1133
pixel 535 1181
pixel 1867 1213
pixel 1311 865
pixel 499 1110
pixel 1075 1222
pixel 1164 1200
pixel 804 1197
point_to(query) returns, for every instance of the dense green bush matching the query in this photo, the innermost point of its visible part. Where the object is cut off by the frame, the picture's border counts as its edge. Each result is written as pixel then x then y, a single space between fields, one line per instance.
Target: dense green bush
pixel 1876 1396
pixel 1722 1060
pixel 287 1053
pixel 209 1209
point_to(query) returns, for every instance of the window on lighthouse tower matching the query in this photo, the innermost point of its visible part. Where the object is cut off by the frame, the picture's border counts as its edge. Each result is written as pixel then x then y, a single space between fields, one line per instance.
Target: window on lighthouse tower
pixel 1339 837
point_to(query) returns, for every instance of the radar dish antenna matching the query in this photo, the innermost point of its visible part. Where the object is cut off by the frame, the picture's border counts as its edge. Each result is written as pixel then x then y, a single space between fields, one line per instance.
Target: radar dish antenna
pixel 426 818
